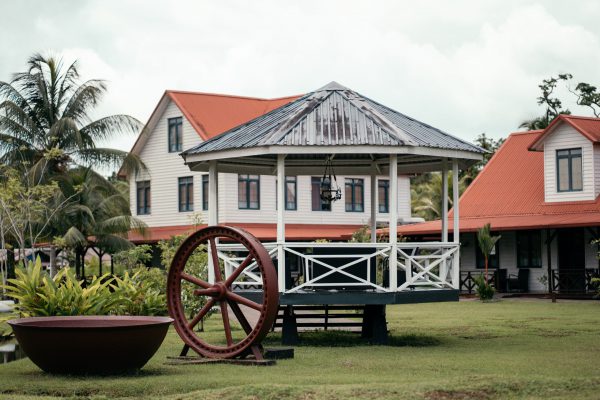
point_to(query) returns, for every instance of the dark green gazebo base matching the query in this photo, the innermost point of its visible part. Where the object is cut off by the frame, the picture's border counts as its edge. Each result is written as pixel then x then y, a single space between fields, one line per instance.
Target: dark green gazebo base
pixel 370 304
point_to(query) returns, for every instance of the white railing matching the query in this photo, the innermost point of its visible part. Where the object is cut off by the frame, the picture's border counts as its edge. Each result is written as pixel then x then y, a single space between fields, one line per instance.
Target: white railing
pixel 353 266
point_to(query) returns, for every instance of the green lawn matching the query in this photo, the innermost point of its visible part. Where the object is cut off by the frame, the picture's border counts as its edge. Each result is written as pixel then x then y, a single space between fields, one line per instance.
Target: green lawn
pixel 467 350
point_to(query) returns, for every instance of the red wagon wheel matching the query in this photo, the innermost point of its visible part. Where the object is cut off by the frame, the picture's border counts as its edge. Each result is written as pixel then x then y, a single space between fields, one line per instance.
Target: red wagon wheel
pixel 221 293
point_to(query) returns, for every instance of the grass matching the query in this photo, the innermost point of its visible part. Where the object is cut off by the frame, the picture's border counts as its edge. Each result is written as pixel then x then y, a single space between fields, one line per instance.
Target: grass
pixel 446 351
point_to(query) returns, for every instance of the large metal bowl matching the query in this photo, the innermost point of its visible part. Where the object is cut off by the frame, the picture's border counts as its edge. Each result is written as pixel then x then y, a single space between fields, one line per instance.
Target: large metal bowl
pixel 90 344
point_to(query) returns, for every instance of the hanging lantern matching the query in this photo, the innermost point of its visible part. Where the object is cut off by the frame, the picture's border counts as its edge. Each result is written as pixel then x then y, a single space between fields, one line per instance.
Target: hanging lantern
pixel 330 191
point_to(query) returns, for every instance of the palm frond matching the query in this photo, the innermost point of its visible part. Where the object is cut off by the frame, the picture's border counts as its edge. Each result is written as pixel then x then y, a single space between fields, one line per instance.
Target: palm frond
pixel 74 238
pixel 87 96
pixel 107 127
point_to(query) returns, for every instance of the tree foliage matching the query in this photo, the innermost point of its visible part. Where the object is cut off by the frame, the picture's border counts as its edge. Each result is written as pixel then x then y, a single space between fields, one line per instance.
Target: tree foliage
pixel 46 117
pixel 586 95
pixel 487 243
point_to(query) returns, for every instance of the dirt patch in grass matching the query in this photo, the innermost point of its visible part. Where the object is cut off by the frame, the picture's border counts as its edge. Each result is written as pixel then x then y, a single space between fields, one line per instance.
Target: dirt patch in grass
pixel 481 394
pixel 350 339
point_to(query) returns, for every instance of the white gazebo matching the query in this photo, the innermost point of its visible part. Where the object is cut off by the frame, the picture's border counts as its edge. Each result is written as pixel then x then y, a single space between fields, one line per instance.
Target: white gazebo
pixel 357 136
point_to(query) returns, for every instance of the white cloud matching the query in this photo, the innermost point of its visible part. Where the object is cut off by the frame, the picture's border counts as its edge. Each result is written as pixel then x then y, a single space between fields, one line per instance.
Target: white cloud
pixel 464 66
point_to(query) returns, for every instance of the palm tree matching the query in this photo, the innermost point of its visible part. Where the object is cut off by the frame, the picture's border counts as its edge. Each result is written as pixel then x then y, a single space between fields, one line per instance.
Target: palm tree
pixel 99 216
pixel 487 242
pixel 427 195
pixel 45 119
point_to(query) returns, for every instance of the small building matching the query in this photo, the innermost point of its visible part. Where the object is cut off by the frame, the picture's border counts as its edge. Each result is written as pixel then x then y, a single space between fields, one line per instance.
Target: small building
pixel 540 192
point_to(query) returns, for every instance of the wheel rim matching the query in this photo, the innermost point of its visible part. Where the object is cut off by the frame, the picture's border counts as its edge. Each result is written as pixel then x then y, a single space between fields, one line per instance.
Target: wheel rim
pixel 221 293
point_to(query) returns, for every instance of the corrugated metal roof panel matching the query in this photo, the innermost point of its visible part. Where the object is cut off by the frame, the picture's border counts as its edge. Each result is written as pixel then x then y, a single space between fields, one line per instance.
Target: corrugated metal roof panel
pixel 333 116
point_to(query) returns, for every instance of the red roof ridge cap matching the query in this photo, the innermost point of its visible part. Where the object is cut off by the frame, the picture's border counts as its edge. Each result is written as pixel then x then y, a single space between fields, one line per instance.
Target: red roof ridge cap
pixel 530 132
pixel 570 116
pixel 172 91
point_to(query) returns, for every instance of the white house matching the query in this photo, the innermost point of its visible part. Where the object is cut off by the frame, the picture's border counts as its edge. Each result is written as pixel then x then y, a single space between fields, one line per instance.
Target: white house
pixel 171 199
pixel 540 193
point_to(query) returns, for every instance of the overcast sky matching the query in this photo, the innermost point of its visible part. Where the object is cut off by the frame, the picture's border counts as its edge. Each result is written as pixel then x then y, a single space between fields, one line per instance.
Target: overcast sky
pixel 466 67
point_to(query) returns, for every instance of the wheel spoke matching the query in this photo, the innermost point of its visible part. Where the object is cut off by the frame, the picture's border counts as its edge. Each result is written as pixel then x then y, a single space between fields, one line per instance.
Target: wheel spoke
pixel 195 281
pixel 206 292
pixel 226 324
pixel 238 271
pixel 215 260
pixel 240 316
pixel 242 300
pixel 201 313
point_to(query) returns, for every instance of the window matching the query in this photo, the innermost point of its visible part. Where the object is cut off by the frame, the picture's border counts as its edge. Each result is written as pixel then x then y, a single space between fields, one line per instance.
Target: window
pixel 383 187
pixel 569 170
pixel 248 192
pixel 529 249
pixel 493 260
pixel 175 125
pixel 355 189
pixel 143 197
pixel 290 193
pixel 186 194
pixel 318 204
pixel 205 192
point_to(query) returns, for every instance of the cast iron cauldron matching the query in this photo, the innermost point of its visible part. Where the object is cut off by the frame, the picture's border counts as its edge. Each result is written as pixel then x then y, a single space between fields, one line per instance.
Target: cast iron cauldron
pixel 90 344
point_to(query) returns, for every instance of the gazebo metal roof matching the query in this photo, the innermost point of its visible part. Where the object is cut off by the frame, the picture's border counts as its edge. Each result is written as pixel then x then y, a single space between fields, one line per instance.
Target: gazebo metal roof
pixel 333 120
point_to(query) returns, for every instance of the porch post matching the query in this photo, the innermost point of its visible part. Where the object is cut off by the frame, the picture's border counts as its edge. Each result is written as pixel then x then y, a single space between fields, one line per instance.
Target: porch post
pixel 444 200
pixel 280 221
pixel 455 228
pixel 393 224
pixel 213 206
pixel 373 204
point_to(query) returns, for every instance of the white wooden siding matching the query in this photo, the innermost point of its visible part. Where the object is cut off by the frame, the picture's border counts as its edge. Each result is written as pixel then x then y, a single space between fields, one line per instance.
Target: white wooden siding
pixel 597 169
pixel 228 196
pixel 165 168
pixel 566 137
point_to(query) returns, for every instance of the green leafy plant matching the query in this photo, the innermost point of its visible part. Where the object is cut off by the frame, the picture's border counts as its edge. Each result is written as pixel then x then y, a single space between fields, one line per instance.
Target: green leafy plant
pixel 39 295
pixel 5 329
pixel 197 265
pixel 487 243
pixel 484 290
pixel 142 292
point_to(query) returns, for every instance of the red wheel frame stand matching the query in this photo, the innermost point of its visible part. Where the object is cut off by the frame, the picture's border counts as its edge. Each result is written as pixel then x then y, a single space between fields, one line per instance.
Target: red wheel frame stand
pixel 221 293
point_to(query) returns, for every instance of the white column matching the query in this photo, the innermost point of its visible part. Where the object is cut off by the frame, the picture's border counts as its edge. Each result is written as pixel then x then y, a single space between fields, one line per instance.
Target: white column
pixel 213 208
pixel 393 224
pixel 455 202
pixel 444 200
pixel 280 221
pixel 373 204
pixel 456 231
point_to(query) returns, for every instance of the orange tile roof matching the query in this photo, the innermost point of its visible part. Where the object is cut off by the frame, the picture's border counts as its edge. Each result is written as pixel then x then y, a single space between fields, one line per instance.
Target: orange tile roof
pixel 211 114
pixel 587 126
pixel 264 232
pixel 509 192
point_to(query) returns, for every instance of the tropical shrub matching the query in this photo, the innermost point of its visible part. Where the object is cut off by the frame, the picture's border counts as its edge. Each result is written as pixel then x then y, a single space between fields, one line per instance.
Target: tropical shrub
pixel 38 294
pixel 484 290
pixel 197 265
pixel 134 257
pixel 142 292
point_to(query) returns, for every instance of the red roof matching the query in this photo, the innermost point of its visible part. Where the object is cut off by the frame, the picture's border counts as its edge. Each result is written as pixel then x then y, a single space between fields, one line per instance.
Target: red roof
pixel 509 192
pixel 264 232
pixel 211 114
pixel 587 126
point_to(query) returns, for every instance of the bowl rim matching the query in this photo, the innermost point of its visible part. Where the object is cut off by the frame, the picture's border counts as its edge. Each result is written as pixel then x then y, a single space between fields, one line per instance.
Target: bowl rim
pixel 142 321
